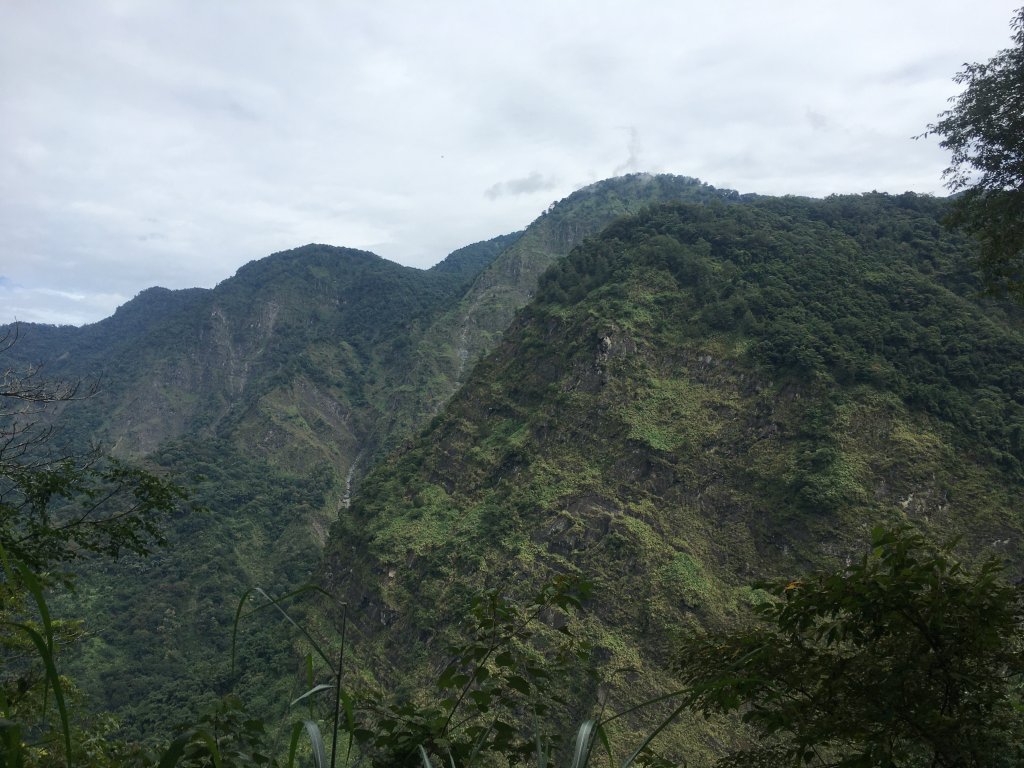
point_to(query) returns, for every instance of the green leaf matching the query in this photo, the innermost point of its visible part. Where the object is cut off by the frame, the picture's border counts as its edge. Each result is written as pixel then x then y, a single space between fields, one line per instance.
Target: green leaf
pixel 582 744
pixel 520 684
pixel 46 654
pixel 315 689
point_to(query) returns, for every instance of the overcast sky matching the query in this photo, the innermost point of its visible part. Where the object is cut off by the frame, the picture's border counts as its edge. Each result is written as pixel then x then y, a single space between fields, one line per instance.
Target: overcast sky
pixel 168 143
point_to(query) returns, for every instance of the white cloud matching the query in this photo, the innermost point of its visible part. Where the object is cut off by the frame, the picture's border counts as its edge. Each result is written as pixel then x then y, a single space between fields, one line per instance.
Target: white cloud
pixel 527 185
pixel 56 307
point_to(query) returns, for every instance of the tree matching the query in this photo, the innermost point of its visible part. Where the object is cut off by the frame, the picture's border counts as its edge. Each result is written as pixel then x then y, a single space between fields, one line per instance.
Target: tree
pixel 984 130
pixel 906 658
pixel 498 700
pixel 56 506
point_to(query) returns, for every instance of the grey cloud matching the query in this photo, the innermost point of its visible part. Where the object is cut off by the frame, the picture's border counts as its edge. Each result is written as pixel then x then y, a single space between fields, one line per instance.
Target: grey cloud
pixel 817 120
pixel 527 185
pixel 915 71
pixel 632 162
pixel 219 101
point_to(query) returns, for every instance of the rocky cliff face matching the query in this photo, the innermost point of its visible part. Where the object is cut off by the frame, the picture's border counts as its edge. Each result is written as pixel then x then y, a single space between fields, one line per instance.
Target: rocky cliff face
pixel 453 340
pixel 509 283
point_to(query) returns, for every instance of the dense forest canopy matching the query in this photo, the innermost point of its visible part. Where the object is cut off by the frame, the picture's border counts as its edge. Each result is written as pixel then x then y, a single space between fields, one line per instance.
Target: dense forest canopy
pixel 699 396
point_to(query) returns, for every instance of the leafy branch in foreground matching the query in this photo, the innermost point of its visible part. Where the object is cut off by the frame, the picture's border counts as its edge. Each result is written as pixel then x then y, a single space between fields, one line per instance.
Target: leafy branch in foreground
pixel 56 506
pixel 503 692
pixel 905 658
pixel 984 131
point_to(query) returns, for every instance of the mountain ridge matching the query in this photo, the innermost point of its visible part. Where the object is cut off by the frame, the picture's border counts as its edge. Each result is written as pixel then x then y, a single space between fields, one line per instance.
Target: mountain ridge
pixel 303 368
pixel 689 385
pixel 699 397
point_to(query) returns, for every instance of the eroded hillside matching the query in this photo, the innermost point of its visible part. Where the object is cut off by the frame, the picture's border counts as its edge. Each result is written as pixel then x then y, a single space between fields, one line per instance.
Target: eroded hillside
pixel 702 395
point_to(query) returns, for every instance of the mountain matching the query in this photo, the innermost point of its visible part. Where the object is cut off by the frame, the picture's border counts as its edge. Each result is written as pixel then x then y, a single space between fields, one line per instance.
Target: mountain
pixel 509 282
pixel 323 324
pixel 365 346
pixel 271 395
pixel 701 395
pixel 660 387
pixel 260 395
pixel 472 326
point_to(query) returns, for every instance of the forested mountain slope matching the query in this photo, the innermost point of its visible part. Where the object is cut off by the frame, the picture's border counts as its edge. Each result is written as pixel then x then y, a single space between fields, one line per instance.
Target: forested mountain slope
pixel 318 326
pixel 700 395
pixel 260 396
pixel 456 338
pixel 509 282
pixel 270 395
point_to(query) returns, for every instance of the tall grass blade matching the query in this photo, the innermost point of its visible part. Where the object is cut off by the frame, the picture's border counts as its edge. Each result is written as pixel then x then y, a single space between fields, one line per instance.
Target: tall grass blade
pixel 603 736
pixel 42 642
pixel 36 589
pixel 424 757
pixel 584 741
pixel 643 704
pixel 311 691
pixel 234 627
pixel 316 741
pixel 337 689
pixel 309 681
pixel 350 721
pixel 664 724
pixel 276 603
pixel 46 654
pixel 293 742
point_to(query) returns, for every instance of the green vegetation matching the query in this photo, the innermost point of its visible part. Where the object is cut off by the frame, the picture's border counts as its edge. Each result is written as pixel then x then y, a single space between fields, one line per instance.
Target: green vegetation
pixel 699 396
pixel 984 131
pixel 56 509
pixel 452 342
pixel 58 506
pixel 904 658
pixel 159 628
pixel 831 302
pixel 264 396
pixel 693 396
